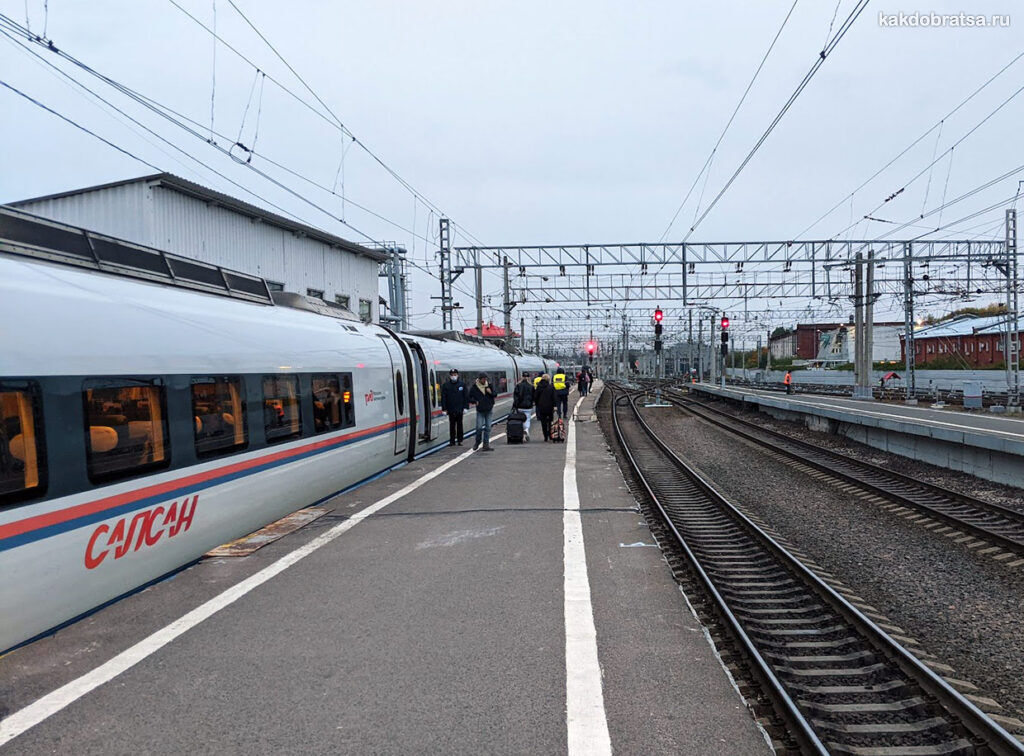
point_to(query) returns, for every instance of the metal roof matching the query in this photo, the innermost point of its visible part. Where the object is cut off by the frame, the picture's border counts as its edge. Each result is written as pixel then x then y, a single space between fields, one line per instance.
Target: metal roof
pixel 198 191
pixel 965 325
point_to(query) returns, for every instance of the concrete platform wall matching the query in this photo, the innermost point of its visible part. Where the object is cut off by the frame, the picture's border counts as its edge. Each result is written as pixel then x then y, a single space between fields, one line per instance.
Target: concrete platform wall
pixel 993 458
pixel 984 463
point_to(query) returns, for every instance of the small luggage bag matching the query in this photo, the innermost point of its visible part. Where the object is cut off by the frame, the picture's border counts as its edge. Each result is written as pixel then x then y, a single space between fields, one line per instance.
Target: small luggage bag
pixel 514 427
pixel 558 430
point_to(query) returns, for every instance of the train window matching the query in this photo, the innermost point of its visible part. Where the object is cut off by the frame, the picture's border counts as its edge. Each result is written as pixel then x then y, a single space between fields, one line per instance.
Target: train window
pixel 502 383
pixel 282 416
pixel 22 462
pixel 218 411
pixel 125 427
pixel 327 404
pixel 399 392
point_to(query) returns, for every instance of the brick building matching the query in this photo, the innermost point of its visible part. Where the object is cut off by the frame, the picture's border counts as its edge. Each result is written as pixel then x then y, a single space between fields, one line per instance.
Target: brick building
pixel 972 341
pixel 802 342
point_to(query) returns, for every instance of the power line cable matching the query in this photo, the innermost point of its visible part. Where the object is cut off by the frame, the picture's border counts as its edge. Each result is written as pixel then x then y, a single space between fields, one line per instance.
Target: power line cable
pixel 327 114
pixel 957 143
pixel 77 125
pixel 905 150
pixel 168 142
pixel 732 117
pixel 191 127
pixel 822 57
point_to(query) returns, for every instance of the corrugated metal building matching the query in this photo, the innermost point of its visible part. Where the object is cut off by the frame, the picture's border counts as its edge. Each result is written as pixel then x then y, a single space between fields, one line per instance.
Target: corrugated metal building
pixel 179 216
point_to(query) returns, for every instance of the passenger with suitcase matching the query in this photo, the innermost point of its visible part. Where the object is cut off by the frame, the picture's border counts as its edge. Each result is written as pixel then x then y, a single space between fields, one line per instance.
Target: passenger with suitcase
pixel 544 400
pixel 454 400
pixel 522 402
pixel 562 393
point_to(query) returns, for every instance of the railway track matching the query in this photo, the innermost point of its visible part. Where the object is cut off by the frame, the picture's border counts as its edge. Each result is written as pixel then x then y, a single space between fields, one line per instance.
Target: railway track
pixel 997 524
pixel 837 681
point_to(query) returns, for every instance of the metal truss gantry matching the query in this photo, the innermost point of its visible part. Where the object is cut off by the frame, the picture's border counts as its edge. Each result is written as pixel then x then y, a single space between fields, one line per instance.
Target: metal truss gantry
pixel 683 255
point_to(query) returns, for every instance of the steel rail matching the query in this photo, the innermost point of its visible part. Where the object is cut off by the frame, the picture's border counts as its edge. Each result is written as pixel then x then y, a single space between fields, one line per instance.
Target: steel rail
pixel 782 702
pixel 987 515
pixel 986 736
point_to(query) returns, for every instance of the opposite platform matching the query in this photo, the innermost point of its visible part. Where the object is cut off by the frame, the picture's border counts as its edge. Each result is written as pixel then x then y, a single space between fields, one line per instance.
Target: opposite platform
pixel 985 445
pixel 426 613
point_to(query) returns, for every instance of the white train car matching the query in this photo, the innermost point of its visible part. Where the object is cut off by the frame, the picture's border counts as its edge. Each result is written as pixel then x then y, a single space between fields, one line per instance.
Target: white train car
pixel 144 423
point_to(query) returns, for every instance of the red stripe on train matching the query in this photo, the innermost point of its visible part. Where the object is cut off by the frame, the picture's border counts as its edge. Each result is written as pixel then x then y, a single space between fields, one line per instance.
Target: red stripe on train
pixel 81 510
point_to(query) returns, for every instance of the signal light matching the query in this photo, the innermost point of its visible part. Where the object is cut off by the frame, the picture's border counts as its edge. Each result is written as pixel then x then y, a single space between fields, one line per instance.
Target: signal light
pixel 658 315
pixel 591 347
pixel 725 322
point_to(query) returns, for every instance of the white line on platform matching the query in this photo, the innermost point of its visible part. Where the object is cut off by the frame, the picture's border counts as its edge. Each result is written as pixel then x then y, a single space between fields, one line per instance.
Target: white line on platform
pixel 585 715
pixel 50 704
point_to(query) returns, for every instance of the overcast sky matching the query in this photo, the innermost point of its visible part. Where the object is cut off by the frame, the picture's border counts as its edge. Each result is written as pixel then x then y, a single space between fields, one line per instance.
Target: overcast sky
pixel 535 122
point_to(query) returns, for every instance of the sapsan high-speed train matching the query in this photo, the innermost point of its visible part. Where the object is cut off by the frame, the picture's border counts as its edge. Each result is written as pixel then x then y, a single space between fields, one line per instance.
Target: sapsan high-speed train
pixel 143 422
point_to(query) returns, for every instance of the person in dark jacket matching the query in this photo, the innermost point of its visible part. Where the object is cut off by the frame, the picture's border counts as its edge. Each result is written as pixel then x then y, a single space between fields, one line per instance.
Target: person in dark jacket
pixel 583 382
pixel 544 400
pixel 482 396
pixel 454 400
pixel 522 399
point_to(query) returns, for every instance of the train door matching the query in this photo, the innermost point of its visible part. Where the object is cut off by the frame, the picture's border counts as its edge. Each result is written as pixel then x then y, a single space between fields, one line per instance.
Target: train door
pixel 404 394
pixel 424 389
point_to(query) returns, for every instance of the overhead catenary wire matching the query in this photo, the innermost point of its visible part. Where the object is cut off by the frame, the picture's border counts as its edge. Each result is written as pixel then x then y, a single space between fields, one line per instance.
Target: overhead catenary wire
pixel 77 125
pixel 914 143
pixel 324 112
pixel 819 61
pixel 259 197
pixel 191 127
pixel 120 149
pixel 913 179
pixel 732 117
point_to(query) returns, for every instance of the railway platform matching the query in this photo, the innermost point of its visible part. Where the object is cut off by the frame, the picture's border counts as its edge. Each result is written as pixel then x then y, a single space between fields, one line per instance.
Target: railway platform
pixel 985 445
pixel 508 602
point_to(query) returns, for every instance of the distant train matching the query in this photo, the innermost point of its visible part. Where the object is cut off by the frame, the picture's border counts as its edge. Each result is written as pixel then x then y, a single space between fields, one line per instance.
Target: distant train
pixel 142 424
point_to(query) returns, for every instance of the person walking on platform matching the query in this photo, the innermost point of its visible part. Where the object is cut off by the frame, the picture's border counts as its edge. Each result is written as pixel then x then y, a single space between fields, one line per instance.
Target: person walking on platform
pixel 482 396
pixel 583 382
pixel 787 381
pixel 544 400
pixel 522 399
pixel 454 400
pixel 561 393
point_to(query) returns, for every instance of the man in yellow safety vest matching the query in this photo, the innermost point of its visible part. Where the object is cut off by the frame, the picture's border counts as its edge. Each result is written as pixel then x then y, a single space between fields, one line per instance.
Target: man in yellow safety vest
pixel 561 392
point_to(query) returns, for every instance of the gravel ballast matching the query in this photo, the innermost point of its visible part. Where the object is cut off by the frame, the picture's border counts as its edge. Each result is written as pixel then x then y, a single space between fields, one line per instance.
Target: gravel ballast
pixel 963 607
pixel 962 482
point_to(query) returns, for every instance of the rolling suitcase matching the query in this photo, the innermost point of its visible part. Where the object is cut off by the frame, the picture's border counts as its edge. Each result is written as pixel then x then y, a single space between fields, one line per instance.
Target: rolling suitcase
pixel 558 430
pixel 514 427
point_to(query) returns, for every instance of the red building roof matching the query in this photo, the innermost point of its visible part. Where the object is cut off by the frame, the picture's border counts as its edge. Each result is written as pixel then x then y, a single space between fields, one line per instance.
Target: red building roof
pixel 491 331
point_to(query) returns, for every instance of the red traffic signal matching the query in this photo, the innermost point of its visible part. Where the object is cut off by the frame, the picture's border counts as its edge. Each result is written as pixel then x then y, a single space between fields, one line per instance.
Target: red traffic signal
pixel 725 322
pixel 591 347
pixel 658 315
